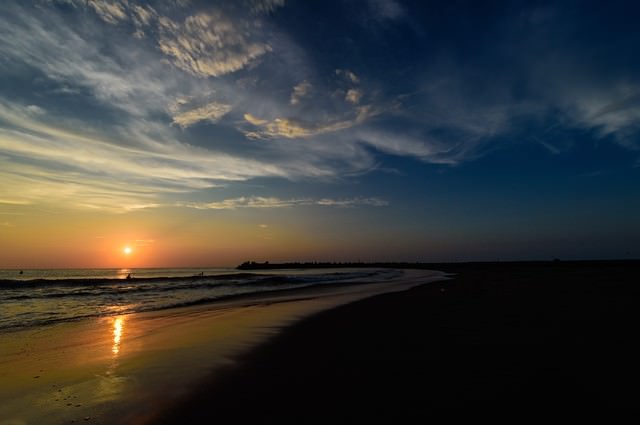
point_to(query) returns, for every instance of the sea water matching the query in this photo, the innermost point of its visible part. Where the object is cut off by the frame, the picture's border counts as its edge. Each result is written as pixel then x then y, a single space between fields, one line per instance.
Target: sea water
pixel 32 298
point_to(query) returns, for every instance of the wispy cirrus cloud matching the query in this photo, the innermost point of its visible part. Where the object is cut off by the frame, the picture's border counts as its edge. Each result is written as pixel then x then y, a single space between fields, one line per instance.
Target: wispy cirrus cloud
pixel 612 110
pixel 211 112
pixel 274 202
pixel 109 11
pixel 353 96
pixel 44 163
pixel 345 115
pixel 144 242
pixel 264 6
pixel 299 91
pixel 210 44
pixel 348 75
pixel 74 61
pixel 292 128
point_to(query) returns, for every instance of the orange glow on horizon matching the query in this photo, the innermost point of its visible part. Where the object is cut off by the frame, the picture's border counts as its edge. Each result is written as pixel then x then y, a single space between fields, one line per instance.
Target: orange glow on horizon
pixel 83 240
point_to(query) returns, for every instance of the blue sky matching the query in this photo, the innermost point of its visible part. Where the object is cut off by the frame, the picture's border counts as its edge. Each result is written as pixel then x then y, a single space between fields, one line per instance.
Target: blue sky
pixel 422 130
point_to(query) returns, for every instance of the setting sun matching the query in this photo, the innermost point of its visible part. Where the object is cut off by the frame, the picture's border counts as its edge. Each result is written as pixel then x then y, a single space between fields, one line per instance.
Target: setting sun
pixel 127 250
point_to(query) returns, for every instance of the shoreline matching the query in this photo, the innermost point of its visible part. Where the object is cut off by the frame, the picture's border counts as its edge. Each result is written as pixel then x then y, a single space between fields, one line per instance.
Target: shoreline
pixel 126 366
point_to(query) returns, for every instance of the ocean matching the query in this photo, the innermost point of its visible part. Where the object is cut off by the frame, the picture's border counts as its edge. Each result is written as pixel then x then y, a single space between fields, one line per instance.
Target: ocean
pixel 48 296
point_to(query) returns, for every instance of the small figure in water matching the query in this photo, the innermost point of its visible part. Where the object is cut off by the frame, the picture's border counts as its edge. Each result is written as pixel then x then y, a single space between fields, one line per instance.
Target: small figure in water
pixel 21 272
pixel 129 276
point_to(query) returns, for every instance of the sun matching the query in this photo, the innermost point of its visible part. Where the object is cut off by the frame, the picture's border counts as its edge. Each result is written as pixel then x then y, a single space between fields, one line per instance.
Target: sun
pixel 127 250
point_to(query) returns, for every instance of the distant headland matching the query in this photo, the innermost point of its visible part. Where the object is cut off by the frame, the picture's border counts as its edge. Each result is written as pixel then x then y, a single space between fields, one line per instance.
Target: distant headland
pixel 253 265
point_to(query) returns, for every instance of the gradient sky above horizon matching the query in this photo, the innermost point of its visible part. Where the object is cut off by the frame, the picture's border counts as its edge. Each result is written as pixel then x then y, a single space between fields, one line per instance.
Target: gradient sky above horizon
pixel 209 133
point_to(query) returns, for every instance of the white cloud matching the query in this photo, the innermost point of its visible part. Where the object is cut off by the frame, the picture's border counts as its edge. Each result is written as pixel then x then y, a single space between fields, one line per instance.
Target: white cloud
pixel 611 111
pixel 211 112
pixel 109 11
pixel 374 202
pixel 210 44
pixel 291 128
pixel 348 75
pixel 427 149
pixel 35 109
pixel 75 62
pixel 264 6
pixel 44 163
pixel 299 91
pixel 207 44
pixel 273 202
pixel 353 96
pixel 143 15
pixel 253 120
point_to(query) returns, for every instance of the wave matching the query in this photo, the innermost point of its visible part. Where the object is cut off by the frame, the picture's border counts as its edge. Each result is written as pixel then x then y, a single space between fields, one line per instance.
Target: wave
pixel 34 283
pixel 17 322
pixel 42 302
pixel 61 288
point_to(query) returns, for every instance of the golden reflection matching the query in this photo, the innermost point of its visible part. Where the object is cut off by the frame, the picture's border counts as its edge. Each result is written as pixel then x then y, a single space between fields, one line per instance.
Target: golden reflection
pixel 118 324
pixel 122 273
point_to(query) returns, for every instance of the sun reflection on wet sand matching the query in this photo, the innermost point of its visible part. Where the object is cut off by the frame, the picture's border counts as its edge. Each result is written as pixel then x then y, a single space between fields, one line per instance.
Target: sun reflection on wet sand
pixel 118 324
pixel 111 384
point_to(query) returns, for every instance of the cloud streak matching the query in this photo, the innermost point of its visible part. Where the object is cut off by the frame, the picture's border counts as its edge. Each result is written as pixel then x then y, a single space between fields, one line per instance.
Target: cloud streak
pixel 300 91
pixel 109 11
pixel 292 128
pixel 45 163
pixel 274 202
pixel 210 44
pixel 211 112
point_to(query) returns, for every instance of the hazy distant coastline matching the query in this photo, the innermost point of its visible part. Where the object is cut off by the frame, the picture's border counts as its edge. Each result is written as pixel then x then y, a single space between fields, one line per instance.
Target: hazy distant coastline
pixel 253 265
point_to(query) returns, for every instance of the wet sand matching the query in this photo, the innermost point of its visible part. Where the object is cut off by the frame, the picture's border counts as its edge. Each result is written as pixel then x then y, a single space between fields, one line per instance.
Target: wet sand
pixel 531 337
pixel 128 369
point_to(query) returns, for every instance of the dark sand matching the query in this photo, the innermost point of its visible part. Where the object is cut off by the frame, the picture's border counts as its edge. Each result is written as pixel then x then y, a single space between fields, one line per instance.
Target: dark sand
pixel 498 336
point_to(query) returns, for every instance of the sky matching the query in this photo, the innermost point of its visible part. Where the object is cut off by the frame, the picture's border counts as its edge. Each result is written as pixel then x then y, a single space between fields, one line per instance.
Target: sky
pixel 204 133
